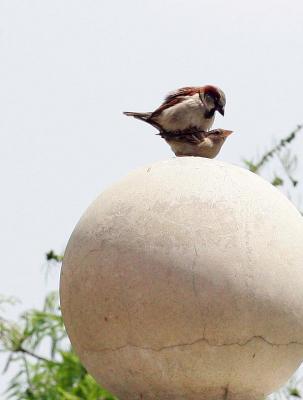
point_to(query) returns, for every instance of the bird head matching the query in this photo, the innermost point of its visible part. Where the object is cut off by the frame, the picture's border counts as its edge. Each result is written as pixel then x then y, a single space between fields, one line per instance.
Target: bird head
pixel 218 135
pixel 213 99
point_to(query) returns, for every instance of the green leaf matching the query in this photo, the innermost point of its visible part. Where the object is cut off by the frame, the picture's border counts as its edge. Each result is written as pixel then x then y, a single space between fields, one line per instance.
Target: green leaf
pixel 277 181
pixel 294 392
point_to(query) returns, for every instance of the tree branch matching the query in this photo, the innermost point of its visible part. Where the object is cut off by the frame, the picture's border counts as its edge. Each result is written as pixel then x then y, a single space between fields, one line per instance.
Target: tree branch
pixel 36 356
pixel 51 255
pixel 277 148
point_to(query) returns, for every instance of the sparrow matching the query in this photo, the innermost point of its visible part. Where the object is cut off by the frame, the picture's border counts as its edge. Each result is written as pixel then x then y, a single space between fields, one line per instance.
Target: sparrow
pixel 195 143
pixel 186 108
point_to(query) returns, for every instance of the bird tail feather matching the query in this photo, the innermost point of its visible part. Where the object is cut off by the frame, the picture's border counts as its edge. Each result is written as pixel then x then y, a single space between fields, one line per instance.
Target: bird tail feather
pixel 139 115
pixel 144 116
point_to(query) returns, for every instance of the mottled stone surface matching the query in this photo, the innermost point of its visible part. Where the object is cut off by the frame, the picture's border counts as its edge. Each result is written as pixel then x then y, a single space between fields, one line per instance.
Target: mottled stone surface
pixel 185 281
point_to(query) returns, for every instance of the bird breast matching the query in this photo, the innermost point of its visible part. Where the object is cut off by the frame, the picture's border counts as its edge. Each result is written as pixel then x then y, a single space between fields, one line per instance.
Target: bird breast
pixel 206 148
pixel 188 113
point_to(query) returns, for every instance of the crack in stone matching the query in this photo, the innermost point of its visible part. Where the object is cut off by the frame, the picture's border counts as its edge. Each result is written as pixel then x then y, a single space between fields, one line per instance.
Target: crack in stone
pixel 201 340
pixel 225 392
pixel 195 289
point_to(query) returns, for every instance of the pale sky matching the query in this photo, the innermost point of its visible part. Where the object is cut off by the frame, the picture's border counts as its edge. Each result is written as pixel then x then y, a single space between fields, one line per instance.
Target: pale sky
pixel 68 68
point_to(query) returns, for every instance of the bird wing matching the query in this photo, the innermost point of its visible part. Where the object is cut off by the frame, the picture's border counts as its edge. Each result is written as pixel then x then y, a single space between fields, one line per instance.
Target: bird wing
pixel 190 136
pixel 185 91
pixel 174 98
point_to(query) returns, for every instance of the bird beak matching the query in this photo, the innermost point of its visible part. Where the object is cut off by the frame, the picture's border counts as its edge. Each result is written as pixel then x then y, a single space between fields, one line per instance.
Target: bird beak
pixel 220 110
pixel 226 133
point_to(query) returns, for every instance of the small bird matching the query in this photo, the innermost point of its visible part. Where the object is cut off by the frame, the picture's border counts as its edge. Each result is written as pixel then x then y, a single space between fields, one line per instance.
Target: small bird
pixel 186 108
pixel 197 144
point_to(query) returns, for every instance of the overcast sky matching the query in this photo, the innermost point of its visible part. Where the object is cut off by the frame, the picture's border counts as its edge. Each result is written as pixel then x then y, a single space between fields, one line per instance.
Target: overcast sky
pixel 68 68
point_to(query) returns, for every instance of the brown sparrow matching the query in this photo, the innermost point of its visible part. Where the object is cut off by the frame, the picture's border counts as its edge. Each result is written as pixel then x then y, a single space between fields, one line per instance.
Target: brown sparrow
pixel 186 108
pixel 195 143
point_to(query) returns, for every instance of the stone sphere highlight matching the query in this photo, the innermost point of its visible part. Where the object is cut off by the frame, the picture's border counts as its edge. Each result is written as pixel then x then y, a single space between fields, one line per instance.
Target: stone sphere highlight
pixel 185 281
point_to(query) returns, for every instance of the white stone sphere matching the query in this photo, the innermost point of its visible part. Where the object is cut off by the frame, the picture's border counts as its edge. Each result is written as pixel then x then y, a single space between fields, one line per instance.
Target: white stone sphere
pixel 185 281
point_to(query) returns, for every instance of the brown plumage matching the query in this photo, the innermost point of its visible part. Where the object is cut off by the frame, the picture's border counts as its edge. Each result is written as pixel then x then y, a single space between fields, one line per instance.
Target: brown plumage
pixel 196 143
pixel 174 98
pixel 186 108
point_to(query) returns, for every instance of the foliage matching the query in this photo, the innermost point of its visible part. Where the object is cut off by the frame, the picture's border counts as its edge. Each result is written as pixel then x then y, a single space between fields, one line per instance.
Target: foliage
pixel 279 164
pixel 48 369
pixel 59 374
pixel 274 151
pixel 52 256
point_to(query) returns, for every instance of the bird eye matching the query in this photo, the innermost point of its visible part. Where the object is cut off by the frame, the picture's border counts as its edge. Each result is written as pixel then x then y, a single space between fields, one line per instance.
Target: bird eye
pixel 208 97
